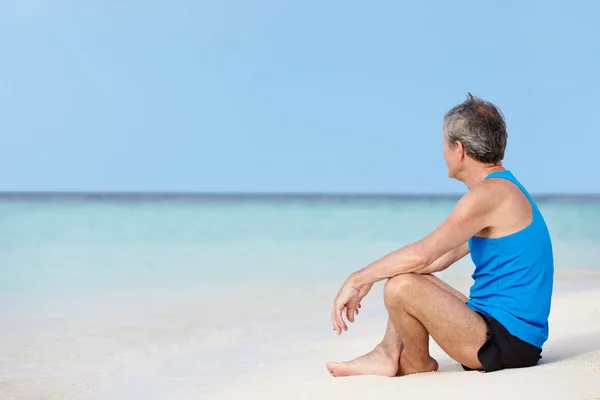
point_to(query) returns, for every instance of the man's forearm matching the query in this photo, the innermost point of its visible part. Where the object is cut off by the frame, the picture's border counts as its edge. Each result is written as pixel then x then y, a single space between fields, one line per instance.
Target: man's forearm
pixel 402 261
pixel 406 260
pixel 446 260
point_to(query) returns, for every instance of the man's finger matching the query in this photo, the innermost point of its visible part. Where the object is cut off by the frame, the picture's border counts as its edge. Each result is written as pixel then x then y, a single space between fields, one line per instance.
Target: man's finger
pixel 338 324
pixel 340 321
pixel 336 319
pixel 333 321
pixel 350 312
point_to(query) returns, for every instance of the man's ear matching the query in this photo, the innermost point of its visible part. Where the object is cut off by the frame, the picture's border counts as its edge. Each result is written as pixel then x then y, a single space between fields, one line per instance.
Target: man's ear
pixel 460 149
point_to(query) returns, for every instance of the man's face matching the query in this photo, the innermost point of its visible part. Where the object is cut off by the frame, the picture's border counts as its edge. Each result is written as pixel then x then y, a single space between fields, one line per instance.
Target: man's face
pixel 452 158
pixel 448 157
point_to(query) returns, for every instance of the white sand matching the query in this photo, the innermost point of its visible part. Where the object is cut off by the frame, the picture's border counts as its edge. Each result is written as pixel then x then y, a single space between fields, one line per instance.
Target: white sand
pixel 569 369
pixel 268 344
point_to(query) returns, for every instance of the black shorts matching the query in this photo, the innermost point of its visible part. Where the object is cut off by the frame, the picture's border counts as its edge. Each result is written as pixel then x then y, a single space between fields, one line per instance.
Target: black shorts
pixel 502 350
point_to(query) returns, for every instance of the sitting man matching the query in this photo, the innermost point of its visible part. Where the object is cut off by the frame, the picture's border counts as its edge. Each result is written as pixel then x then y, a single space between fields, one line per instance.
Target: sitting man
pixel 504 322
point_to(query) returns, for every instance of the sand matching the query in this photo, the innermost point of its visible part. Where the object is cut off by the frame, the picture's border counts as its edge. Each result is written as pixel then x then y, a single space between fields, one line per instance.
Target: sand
pixel 270 344
pixel 569 369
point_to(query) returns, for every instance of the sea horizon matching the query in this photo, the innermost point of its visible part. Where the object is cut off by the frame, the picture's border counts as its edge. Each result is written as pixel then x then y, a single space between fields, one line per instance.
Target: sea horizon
pixel 267 196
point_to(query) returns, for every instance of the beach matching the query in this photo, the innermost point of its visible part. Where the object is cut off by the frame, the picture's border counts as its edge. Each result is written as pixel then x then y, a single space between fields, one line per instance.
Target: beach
pixel 185 187
pixel 569 369
pixel 135 354
pixel 103 299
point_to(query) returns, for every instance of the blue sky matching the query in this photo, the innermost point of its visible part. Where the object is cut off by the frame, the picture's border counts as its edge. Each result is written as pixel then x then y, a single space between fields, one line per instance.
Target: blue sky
pixel 290 96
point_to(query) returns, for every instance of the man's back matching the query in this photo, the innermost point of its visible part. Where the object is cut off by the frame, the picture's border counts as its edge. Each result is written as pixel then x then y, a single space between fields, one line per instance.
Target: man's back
pixel 514 264
pixel 514 212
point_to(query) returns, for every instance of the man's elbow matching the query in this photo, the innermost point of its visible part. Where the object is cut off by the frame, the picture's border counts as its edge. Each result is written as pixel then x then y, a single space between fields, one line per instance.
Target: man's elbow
pixel 419 262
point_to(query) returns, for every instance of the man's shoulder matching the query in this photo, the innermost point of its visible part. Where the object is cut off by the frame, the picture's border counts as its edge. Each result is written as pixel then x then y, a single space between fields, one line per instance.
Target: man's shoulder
pixel 487 194
pixel 493 185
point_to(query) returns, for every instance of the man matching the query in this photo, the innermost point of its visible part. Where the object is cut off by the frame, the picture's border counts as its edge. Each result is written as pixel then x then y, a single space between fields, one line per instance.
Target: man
pixel 504 322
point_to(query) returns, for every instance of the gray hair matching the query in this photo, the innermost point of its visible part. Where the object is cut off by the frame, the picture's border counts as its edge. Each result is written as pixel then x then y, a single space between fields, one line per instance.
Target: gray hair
pixel 480 127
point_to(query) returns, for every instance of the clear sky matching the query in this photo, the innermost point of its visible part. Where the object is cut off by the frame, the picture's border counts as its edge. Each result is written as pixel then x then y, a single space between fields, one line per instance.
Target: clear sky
pixel 290 96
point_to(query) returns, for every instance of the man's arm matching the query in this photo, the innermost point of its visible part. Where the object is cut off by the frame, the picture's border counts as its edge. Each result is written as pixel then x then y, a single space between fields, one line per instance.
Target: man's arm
pixel 447 259
pixel 469 217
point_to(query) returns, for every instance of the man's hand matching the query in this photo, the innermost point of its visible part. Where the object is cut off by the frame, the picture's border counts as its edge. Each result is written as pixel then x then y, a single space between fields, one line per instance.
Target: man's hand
pixel 347 302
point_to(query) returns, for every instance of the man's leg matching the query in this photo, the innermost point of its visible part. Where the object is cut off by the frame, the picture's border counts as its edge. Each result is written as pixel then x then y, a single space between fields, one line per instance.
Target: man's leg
pixel 385 357
pixel 443 285
pixel 419 308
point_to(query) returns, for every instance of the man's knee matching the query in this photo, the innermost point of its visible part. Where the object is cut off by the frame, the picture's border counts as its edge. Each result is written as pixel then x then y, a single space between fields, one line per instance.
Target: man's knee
pixel 398 288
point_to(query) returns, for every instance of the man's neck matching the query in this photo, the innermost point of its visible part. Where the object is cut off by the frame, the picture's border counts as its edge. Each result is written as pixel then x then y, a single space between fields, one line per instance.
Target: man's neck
pixel 478 172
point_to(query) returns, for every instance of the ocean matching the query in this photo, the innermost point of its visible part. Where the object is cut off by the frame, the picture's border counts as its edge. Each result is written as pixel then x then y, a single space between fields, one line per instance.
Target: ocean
pixel 112 296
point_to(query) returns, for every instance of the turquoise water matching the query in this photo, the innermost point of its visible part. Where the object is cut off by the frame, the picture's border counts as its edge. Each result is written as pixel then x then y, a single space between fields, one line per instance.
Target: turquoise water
pixel 118 296
pixel 115 244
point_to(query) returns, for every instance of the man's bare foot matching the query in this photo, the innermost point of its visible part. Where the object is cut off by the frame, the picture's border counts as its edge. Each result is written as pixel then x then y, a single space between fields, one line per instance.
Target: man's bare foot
pixel 379 361
pixel 407 367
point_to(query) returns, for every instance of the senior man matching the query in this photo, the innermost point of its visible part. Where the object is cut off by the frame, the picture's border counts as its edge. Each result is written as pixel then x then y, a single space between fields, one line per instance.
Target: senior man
pixel 504 322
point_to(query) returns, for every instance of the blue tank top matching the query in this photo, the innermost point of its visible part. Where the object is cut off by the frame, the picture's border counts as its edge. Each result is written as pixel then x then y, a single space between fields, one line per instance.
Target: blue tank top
pixel 514 276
